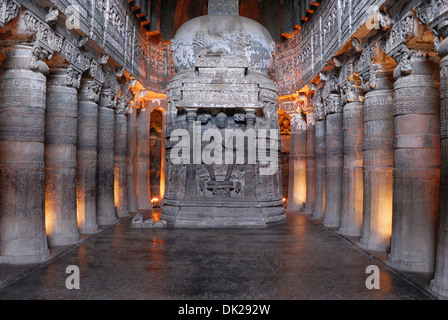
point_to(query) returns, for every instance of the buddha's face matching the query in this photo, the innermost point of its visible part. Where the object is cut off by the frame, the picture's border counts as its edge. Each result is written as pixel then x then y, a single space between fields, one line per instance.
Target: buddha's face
pixel 221 120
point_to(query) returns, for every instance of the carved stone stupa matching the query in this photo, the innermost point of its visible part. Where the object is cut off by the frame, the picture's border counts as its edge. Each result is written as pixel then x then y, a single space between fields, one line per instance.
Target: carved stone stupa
pixel 222 93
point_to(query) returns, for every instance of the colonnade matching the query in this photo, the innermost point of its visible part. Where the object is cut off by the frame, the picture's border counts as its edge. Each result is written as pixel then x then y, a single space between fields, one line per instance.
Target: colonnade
pixel 380 147
pixel 74 145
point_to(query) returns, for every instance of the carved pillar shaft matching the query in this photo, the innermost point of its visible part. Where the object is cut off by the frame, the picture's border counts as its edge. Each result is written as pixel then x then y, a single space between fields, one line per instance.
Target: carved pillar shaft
pixel 106 214
pixel 310 163
pixel 120 174
pixel 297 164
pixel 416 164
pixel 142 160
pixel 440 282
pixel 130 159
pixel 22 175
pixel 378 161
pixel 321 168
pixel 60 157
pixel 87 155
pixel 335 161
pixel 351 218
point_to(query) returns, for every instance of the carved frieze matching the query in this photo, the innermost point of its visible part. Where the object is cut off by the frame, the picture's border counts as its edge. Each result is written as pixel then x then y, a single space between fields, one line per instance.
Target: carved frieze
pixel 8 11
pixel 43 34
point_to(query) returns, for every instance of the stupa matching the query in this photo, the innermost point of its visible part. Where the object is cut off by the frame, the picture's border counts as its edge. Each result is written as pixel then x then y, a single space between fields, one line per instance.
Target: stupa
pixel 222 129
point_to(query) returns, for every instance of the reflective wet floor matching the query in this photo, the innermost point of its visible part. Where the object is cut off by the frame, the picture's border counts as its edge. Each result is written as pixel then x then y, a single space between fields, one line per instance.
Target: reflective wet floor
pixel 299 260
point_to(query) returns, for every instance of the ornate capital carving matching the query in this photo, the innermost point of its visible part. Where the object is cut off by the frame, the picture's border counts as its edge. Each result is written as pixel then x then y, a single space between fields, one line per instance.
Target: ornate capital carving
pixel 331 86
pixel 409 32
pixel 45 37
pixel 318 106
pixel 90 90
pixel 96 72
pixel 36 63
pixel 351 92
pixel 73 77
pixel 333 104
pixel 123 100
pixel 108 98
pixel 74 57
pixel 8 11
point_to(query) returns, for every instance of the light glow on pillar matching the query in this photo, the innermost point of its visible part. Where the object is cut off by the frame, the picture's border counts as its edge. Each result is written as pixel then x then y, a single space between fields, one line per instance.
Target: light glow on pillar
pixel 80 212
pixel 49 219
pixel 384 225
pixel 116 187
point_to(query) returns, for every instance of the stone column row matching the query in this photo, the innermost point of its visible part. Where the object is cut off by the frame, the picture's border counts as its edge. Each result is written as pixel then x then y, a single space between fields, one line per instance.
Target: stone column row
pixel 385 155
pixel 60 140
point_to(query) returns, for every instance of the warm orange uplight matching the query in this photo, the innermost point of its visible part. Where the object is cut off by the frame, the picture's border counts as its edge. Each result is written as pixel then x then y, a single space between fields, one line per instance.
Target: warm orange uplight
pixel 155 202
pixel 49 220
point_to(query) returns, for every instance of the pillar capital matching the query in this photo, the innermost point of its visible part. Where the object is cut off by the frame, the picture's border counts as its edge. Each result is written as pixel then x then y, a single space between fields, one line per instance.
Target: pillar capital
pixel 318 106
pixel 90 89
pixel 8 11
pixel 65 76
pixel 333 104
pixel 435 14
pixel 26 56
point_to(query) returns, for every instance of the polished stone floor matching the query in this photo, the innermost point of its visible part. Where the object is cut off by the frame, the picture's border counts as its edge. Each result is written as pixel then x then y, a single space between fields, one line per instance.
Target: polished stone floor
pixel 299 260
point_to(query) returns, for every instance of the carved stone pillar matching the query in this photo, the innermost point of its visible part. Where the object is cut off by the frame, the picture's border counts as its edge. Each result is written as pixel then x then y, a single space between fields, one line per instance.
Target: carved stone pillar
pixel 142 160
pixel 378 158
pixel 297 163
pixel 321 159
pixel 22 175
pixel 440 282
pixel 416 161
pixel 131 158
pixel 310 163
pixel 335 160
pixel 60 156
pixel 353 114
pixel 120 174
pixel 87 155
pixel 106 214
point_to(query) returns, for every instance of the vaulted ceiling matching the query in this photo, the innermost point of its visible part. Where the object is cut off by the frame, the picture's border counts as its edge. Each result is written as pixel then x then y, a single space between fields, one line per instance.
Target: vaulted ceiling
pixel 162 18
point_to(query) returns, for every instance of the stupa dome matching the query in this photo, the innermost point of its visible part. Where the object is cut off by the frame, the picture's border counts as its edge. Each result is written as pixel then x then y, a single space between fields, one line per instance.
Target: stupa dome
pixel 230 35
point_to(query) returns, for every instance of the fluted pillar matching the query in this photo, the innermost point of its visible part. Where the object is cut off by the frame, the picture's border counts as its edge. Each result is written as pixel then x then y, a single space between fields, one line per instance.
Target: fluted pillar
pixel 297 163
pixel 22 175
pixel 60 156
pixel 378 158
pixel 353 114
pixel 106 214
pixel 86 155
pixel 335 160
pixel 120 148
pixel 310 163
pixel 321 161
pixel 416 162
pixel 142 160
pixel 131 138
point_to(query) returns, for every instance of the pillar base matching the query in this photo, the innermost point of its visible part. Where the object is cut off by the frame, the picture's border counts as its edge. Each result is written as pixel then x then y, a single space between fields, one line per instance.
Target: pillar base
pixel 294 207
pixel 123 214
pixel 318 215
pixel 28 259
pixel 412 266
pixel 378 247
pixel 91 230
pixel 349 232
pixel 440 289
pixel 63 240
pixel 107 222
